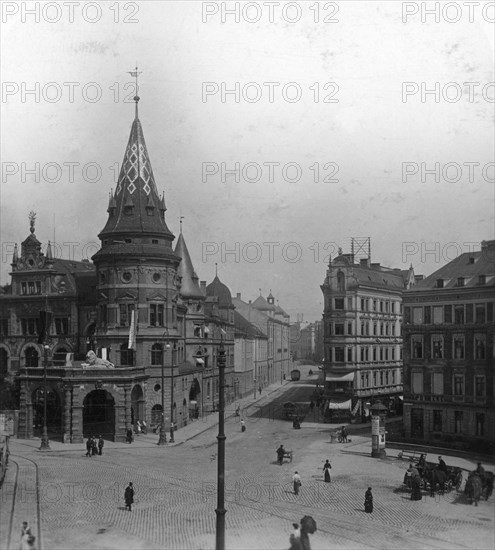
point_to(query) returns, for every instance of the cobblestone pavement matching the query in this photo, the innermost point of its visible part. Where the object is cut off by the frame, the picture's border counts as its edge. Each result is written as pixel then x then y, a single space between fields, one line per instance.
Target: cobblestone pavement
pixel 79 500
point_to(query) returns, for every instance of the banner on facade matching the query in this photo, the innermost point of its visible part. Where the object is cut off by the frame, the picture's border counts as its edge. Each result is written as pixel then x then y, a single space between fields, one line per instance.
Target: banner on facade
pixel 132 332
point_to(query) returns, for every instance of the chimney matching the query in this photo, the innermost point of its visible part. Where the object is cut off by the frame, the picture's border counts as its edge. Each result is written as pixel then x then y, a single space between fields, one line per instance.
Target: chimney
pixel 364 262
pixel 376 265
pixel 238 296
pixel 203 287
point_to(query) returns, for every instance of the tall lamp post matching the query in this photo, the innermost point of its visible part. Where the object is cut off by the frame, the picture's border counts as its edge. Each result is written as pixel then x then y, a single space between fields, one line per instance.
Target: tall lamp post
pixel 45 444
pixel 163 435
pixel 171 439
pixel 220 509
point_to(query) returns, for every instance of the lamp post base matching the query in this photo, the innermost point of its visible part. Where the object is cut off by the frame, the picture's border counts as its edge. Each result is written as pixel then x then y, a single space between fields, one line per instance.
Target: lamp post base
pixel 45 443
pixel 163 437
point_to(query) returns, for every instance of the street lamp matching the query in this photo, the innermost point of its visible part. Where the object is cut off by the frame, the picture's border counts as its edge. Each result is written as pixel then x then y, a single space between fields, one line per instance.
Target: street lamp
pixel 220 509
pixel 172 440
pixel 163 436
pixel 45 444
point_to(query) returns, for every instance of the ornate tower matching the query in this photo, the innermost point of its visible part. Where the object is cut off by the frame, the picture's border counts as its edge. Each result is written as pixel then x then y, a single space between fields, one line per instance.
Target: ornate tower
pixel 136 266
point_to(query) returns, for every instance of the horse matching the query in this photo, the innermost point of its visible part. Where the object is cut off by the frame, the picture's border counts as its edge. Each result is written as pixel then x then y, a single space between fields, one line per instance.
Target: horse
pixel 435 476
pixel 473 488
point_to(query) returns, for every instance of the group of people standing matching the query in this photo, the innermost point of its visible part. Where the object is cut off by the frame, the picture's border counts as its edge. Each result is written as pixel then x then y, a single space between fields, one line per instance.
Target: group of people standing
pixel 94 446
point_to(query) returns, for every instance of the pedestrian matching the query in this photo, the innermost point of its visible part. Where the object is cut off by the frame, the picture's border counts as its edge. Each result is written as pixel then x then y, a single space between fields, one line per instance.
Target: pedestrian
pixel 480 470
pixel 344 434
pixel 416 488
pixel 311 405
pixel 89 446
pixel 441 465
pixel 144 427
pixel 243 425
pixel 295 538
pixel 138 427
pixel 100 445
pixel 129 496
pixel 296 479
pixel 368 501
pixel 280 454
pixel 326 470
pixel 94 446
pixel 129 436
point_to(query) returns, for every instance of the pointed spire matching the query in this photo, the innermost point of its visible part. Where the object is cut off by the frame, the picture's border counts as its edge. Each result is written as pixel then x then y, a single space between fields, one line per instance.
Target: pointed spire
pixel 190 281
pixel 15 256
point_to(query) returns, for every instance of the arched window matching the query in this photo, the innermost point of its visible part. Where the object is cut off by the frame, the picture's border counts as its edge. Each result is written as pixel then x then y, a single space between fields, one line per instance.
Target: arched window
pixel 157 354
pixel 32 357
pixel 126 356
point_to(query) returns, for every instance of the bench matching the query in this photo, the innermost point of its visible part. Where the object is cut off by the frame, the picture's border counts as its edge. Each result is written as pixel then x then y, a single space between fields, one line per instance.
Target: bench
pixel 412 456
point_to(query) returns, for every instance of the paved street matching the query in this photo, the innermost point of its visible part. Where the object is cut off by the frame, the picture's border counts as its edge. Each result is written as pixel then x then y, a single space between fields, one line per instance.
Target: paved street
pixel 73 501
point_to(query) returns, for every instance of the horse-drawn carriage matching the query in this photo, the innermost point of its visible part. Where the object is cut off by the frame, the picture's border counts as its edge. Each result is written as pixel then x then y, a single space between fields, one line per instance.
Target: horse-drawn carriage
pixel 479 485
pixel 433 479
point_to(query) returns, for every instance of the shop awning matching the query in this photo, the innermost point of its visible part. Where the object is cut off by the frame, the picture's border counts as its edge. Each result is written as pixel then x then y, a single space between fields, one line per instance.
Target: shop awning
pixel 349 377
pixel 341 405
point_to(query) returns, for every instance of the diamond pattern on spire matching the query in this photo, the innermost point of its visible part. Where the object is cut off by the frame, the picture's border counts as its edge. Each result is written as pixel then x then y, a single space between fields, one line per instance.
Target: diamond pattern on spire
pixel 131 188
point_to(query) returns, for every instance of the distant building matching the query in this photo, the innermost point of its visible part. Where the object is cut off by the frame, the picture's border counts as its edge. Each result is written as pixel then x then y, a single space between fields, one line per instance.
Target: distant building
pixel 449 382
pixel 307 341
pixel 362 335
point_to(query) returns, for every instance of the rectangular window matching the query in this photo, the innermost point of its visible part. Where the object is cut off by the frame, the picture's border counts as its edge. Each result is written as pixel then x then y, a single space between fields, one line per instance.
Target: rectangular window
pixel 437 315
pixel 459 315
pixel 374 354
pixel 362 354
pixel 437 346
pixel 349 328
pixel 480 424
pixel 374 379
pixel 458 422
pixel 4 327
pixel 23 288
pixel 480 346
pixel 458 384
pixel 386 354
pixel 381 354
pixel 125 314
pixel 437 421
pixel 458 343
pixel 381 306
pixel 480 313
pixel 417 315
pixel 407 315
pixel 339 355
pixel 469 313
pixel 349 354
pixel 489 312
pixel 339 329
pixel 393 354
pixel 437 383
pixel 349 303
pixel 447 313
pixel 375 329
pixel 160 315
pixel 62 325
pixel 374 305
pixel 393 329
pixel 439 283
pixel 427 315
pixel 460 281
pixel 31 287
pixel 153 315
pixel 363 304
pixel 362 329
pixel 417 346
pixel 29 326
pixel 393 307
pixel 103 314
pixel 479 386
pixel 381 378
pixel 417 382
pixel 339 303
pixel 393 377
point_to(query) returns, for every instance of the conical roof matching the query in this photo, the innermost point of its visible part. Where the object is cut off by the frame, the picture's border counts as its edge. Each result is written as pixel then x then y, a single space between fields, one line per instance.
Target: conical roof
pixel 217 288
pixel 135 206
pixel 189 285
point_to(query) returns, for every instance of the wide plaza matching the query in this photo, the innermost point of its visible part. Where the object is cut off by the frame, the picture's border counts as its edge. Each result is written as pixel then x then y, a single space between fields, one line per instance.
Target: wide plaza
pixel 73 501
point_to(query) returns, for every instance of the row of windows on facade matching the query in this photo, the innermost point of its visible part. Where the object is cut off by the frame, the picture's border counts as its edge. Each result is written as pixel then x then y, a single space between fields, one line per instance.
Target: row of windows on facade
pixel 439 350
pixel 385 377
pixel 30 326
pixel 437 387
pixel 367 353
pixel 382 329
pixel 437 421
pixel 367 304
pixel 30 287
pixel 461 281
pixel 459 314
pixel 127 356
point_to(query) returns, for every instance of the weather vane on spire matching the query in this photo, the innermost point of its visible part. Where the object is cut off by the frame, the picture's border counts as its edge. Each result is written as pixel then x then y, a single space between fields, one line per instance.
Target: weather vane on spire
pixel 135 75
pixel 216 269
pixel 180 222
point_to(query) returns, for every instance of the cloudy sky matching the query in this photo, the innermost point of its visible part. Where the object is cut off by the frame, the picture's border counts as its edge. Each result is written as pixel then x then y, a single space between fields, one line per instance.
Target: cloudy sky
pixel 330 123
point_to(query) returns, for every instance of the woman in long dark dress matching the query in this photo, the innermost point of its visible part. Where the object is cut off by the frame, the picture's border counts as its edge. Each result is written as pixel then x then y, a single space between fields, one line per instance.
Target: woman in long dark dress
pixel 326 470
pixel 416 488
pixel 368 501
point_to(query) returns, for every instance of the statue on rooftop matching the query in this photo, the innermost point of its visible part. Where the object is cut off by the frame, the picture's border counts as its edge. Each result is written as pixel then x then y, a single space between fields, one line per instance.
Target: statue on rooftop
pixel 93 361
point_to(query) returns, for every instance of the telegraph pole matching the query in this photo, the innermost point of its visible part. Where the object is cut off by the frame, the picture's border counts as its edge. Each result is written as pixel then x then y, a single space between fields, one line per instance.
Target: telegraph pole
pixel 220 509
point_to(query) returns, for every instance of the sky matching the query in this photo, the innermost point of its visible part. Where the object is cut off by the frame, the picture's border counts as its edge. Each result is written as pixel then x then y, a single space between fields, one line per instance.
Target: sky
pixel 344 119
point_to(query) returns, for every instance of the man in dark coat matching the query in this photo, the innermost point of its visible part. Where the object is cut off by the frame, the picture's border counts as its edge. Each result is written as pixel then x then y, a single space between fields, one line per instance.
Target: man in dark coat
pixel 100 445
pixel 441 465
pixel 94 446
pixel 416 488
pixel 89 446
pixel 280 454
pixel 129 496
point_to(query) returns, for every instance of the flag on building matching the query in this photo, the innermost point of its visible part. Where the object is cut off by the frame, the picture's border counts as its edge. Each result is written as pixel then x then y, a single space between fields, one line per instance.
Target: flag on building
pixel 132 332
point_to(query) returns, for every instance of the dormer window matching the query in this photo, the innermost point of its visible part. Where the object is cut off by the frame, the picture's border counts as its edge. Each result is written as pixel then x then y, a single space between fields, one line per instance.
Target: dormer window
pixel 439 283
pixel 460 281
pixel 471 260
pixel 481 279
pixel 128 207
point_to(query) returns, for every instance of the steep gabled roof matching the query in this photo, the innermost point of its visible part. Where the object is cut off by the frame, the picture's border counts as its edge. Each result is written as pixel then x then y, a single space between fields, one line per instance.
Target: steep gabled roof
pixel 190 281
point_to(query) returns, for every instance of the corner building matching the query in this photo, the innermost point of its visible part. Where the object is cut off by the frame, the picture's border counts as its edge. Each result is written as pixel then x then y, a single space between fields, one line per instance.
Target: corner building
pixel 362 337
pixel 449 383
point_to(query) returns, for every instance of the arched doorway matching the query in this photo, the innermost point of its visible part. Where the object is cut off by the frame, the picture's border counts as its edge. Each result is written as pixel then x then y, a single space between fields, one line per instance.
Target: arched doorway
pixel 99 414
pixel 194 399
pixel 32 357
pixel 156 416
pixel 53 411
pixel 137 404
